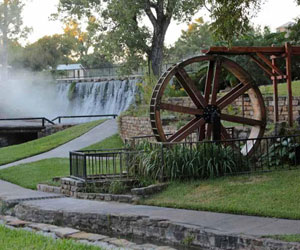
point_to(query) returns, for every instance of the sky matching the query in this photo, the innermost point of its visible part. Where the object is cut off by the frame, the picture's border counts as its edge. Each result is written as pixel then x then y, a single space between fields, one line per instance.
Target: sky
pixel 36 14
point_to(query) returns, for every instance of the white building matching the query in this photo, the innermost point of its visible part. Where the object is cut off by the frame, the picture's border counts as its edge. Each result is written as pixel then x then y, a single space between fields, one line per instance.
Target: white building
pixel 72 70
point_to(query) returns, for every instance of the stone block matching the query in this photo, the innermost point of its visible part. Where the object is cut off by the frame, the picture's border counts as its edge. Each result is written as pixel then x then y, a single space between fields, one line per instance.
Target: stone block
pixel 88 236
pixel 42 227
pixel 63 232
pixel 17 223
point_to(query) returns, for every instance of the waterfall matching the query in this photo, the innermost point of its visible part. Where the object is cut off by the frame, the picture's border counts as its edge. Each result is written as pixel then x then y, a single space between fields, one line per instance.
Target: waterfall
pixel 96 98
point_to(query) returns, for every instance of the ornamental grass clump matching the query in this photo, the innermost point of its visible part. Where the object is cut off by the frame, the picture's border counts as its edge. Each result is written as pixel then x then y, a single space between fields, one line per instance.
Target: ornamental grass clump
pixel 187 161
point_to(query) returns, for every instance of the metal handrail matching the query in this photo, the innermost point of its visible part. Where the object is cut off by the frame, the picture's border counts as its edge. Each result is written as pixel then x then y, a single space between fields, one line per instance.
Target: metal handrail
pixel 59 118
pixel 44 119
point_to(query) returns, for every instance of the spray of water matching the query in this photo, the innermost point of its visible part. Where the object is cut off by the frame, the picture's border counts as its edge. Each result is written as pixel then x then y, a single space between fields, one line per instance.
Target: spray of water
pixel 26 94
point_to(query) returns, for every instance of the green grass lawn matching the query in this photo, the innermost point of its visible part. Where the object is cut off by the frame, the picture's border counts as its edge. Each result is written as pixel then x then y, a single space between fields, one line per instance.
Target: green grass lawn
pixel 30 174
pixel 24 150
pixel 273 194
pixel 111 142
pixel 12 239
pixel 282 89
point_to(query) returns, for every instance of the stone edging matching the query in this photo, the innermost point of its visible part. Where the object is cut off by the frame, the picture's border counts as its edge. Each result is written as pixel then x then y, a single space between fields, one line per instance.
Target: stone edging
pixel 137 193
pixel 82 237
pixel 149 228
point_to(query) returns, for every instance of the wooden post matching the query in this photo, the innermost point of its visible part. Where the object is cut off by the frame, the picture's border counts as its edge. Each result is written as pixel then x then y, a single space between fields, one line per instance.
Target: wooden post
pixel 275 92
pixel 289 82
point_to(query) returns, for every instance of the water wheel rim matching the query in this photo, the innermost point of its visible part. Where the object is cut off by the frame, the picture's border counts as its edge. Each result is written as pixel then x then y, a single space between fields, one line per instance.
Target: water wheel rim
pixel 246 85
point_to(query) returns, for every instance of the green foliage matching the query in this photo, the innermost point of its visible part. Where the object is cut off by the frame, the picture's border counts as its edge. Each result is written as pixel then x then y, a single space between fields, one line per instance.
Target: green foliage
pixel 24 150
pixel 281 152
pixel 11 27
pixel 72 91
pixel 179 162
pixel 117 187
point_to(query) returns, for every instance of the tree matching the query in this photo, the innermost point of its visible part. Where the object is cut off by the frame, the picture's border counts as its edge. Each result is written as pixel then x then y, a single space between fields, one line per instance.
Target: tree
pixel 11 26
pixel 128 37
pixel 196 37
pixel 47 53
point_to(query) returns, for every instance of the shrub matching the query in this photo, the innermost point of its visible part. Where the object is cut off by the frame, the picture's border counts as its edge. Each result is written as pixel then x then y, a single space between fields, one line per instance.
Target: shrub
pixel 186 161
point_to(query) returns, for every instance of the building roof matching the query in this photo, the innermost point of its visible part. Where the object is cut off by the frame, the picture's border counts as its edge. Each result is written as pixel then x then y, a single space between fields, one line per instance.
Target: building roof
pixel 286 25
pixel 69 67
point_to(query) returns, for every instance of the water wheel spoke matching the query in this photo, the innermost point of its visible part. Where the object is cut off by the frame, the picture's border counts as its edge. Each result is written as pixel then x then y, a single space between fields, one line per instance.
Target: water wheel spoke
pixel 180 109
pixel 224 133
pixel 209 78
pixel 208 131
pixel 242 120
pixel 201 135
pixel 187 129
pixel 190 88
pixel 216 82
pixel 233 94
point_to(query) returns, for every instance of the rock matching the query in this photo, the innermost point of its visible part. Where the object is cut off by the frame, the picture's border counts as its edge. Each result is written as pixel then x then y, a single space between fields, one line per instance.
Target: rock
pixel 63 232
pixel 88 236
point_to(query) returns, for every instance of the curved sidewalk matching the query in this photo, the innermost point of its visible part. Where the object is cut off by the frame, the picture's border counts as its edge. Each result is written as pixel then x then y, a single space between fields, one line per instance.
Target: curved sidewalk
pixel 99 133
pixel 209 230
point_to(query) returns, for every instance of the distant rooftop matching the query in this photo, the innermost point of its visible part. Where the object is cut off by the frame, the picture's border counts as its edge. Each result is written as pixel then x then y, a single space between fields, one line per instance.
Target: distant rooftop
pixel 285 26
pixel 69 67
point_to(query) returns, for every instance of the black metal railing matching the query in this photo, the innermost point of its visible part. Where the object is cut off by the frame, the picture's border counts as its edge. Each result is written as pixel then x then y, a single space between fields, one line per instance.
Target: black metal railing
pixel 59 118
pixel 268 154
pixel 98 164
pixel 43 120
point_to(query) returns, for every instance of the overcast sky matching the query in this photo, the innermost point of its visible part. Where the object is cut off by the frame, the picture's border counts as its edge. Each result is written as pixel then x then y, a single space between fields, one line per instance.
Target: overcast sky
pixel 36 15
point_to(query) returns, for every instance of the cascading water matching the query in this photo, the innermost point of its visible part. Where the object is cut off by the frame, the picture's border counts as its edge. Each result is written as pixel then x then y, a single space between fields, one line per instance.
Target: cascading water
pixel 96 98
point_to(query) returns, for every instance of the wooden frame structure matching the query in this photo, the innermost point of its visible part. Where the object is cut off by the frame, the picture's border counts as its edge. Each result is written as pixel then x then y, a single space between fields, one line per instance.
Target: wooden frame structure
pixel 208 106
pixel 265 58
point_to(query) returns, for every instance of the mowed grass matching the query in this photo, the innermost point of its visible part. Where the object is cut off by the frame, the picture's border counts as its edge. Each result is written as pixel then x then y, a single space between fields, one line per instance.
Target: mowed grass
pixel 282 89
pixel 12 239
pixel 111 142
pixel 24 150
pixel 274 194
pixel 30 174
pixel 286 237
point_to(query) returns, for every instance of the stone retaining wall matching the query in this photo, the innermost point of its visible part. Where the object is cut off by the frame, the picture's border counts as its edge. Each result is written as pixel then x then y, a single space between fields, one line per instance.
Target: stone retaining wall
pixel 138 126
pixel 148 228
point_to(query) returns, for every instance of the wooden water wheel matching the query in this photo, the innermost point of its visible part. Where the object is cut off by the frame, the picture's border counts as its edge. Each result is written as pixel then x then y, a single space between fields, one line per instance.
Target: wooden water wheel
pixel 208 103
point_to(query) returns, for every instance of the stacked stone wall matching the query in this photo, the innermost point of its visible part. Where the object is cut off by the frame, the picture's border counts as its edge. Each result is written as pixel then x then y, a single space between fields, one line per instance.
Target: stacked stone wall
pixel 139 126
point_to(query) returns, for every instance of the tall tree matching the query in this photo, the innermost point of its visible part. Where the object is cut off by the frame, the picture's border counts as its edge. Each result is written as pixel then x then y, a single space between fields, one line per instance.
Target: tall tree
pixel 10 26
pixel 127 35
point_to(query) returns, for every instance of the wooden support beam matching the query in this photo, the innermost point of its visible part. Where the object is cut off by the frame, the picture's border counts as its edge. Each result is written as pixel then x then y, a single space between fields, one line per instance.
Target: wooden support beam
pixel 262 66
pixel 288 60
pixel 279 77
pixel 269 63
pixel 275 92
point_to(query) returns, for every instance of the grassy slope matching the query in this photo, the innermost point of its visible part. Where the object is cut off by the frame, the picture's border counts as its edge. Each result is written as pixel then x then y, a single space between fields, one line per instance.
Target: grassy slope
pixel 111 142
pixel 282 89
pixel 273 195
pixel 287 237
pixel 30 174
pixel 11 239
pixel 24 150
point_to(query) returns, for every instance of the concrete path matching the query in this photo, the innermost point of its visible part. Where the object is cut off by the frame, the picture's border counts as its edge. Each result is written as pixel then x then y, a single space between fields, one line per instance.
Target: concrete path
pixel 223 223
pixel 99 133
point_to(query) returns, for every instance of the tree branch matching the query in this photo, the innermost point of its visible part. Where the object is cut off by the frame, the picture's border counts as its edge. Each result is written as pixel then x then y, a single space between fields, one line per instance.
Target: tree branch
pixel 149 13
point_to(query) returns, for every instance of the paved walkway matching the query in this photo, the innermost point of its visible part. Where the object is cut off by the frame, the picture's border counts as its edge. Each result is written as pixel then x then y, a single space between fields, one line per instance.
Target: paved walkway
pixel 223 223
pixel 102 131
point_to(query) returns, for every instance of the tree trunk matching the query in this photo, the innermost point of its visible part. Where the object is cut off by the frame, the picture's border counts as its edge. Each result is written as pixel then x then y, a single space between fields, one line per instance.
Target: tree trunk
pixel 156 53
